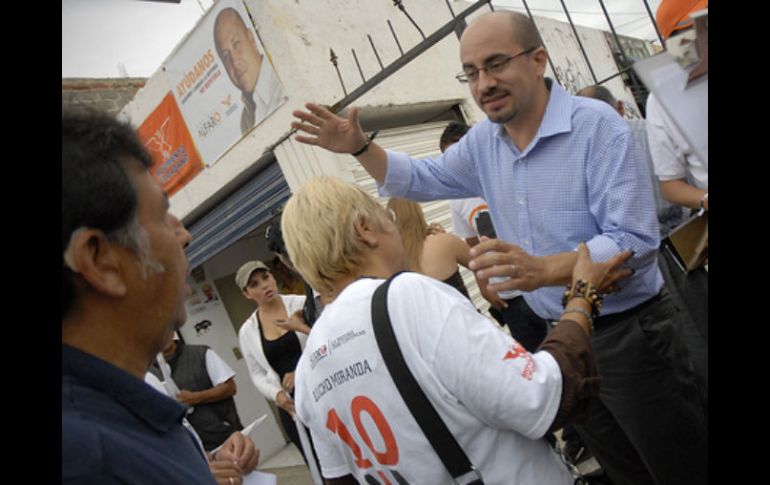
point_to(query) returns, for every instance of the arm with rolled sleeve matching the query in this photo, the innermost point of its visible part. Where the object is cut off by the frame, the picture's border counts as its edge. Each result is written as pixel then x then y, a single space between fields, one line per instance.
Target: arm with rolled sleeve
pixel 620 203
pixel 621 200
pixel 451 175
pixel 683 177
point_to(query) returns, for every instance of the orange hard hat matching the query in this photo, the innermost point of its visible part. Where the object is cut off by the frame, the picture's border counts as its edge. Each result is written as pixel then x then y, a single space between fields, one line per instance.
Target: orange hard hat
pixel 675 14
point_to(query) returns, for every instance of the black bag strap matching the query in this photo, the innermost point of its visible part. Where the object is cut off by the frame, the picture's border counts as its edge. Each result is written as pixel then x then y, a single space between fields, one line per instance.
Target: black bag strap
pixel 449 451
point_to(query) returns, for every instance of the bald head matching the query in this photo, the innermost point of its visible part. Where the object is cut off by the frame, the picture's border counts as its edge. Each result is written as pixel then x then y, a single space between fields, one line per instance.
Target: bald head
pixel 237 47
pixel 598 92
pixel 227 19
pixel 601 93
pixel 520 28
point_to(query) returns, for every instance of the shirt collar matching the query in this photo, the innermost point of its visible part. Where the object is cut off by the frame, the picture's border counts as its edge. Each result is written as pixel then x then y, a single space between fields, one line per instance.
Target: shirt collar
pixel 158 411
pixel 264 82
pixel 558 113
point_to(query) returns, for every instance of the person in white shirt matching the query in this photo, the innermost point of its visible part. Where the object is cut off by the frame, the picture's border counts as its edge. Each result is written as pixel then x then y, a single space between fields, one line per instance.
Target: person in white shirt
pixel 497 399
pixel 207 384
pixel 247 67
pixel 684 177
pixel 270 350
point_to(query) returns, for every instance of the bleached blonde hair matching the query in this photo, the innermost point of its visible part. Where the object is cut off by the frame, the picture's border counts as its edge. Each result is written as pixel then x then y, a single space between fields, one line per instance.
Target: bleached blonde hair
pixel 319 232
pixel 410 222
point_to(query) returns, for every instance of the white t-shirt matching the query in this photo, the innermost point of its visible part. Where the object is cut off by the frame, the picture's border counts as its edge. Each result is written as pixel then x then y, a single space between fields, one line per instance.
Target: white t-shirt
pixel 465 214
pixel 217 368
pixel 671 154
pixel 495 398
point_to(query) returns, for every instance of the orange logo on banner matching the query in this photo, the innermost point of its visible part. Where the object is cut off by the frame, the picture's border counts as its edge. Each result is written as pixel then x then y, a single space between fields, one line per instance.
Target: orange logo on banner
pixel 175 158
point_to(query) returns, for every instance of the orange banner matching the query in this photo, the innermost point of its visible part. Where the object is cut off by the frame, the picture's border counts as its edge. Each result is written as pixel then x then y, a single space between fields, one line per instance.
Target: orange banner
pixel 165 134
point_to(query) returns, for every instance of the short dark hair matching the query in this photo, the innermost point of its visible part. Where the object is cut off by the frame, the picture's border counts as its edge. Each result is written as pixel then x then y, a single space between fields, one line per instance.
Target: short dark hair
pixel 452 134
pixel 274 237
pixel 96 190
pixel 597 91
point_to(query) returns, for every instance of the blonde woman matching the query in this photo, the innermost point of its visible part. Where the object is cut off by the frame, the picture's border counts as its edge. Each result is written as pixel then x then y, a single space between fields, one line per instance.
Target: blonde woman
pixel 271 351
pixel 495 397
pixel 432 253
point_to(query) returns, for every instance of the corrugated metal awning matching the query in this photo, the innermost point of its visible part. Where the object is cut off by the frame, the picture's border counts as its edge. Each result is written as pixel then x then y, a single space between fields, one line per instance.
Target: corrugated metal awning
pixel 246 209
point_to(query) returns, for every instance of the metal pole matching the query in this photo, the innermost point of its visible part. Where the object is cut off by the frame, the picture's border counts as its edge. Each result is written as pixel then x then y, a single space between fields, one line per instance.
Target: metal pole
pixel 655 24
pixel 333 59
pixel 360 71
pixel 580 43
pixel 394 66
pixel 396 38
pixel 550 62
pixel 400 5
pixel 614 34
pixel 375 51
pixel 460 26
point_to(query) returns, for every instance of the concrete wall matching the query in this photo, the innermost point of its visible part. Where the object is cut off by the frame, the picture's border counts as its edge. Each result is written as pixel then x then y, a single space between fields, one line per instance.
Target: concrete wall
pixel 298 36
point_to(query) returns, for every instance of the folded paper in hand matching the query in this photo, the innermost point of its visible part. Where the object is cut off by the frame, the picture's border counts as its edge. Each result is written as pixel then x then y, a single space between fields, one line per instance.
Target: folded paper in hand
pixel 689 241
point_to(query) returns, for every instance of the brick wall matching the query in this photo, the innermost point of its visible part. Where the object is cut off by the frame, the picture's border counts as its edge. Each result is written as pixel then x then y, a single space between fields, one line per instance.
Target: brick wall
pixel 109 95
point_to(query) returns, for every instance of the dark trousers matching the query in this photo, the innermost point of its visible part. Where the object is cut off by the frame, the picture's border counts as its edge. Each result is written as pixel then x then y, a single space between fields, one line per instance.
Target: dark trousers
pixel 526 326
pixel 288 425
pixel 690 294
pixel 648 425
pixel 691 290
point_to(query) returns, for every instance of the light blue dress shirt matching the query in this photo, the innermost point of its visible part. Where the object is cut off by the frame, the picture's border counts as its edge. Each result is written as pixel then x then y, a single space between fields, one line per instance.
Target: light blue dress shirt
pixel 582 178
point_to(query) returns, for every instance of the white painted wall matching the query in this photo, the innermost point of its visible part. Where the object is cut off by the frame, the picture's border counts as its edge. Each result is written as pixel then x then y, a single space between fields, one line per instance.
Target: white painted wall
pixel 298 36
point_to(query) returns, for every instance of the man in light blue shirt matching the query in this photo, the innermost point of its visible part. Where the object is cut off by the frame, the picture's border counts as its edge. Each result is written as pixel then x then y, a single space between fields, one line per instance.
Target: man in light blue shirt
pixel 557 170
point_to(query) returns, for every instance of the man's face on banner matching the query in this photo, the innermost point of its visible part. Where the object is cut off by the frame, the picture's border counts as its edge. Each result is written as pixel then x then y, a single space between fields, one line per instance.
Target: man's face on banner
pixel 237 48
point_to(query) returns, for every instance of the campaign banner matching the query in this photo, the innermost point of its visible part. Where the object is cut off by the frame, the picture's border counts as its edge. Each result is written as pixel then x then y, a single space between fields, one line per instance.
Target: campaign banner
pixel 223 80
pixel 165 134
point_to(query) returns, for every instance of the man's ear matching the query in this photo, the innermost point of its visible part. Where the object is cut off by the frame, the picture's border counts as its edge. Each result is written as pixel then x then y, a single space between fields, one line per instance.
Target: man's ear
pixel 620 108
pixel 540 57
pixel 97 261
pixel 365 231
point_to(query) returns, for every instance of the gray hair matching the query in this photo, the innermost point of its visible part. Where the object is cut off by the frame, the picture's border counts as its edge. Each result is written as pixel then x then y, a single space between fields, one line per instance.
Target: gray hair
pixel 135 238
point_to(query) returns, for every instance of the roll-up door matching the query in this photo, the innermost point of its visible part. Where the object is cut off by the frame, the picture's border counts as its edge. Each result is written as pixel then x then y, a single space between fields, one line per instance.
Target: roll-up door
pixel 248 208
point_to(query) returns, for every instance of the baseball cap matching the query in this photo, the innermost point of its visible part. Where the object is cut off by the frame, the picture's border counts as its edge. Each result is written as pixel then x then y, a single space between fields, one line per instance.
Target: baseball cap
pixel 244 272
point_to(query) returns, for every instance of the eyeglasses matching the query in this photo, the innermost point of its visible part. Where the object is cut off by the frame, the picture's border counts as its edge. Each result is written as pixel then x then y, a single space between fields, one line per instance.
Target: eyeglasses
pixel 471 74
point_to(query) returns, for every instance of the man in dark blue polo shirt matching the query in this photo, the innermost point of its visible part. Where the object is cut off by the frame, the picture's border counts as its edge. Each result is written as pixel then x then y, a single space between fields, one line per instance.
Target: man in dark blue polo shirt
pixel 123 293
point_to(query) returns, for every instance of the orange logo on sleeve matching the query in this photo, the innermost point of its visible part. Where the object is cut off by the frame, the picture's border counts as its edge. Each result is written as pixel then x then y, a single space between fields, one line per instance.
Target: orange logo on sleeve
pixel 517 351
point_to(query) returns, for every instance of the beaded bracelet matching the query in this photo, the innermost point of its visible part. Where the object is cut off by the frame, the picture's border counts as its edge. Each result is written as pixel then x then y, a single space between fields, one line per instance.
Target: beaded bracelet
pixel 583 289
pixel 582 312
